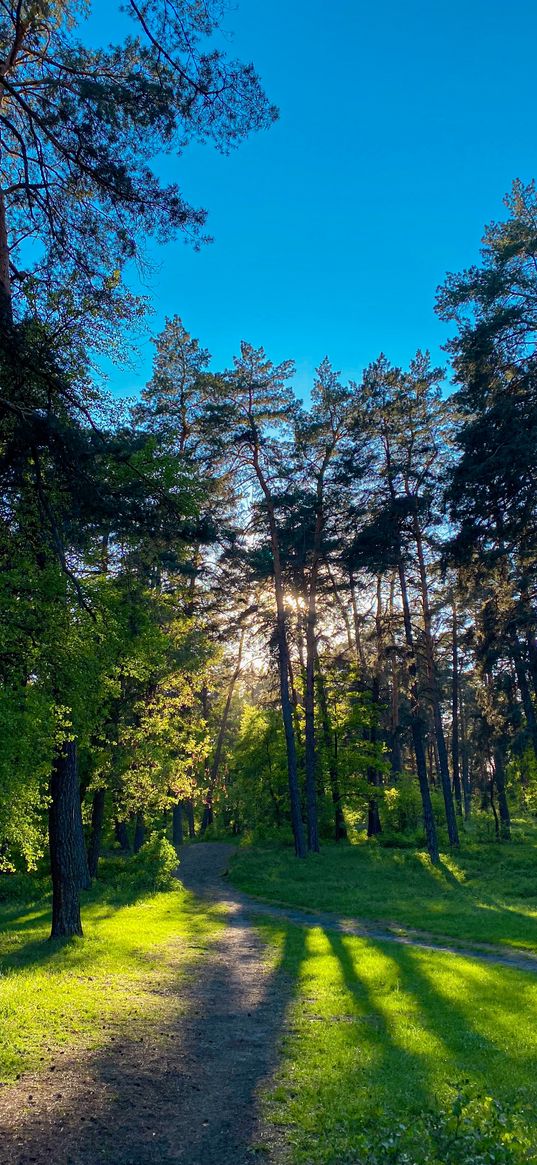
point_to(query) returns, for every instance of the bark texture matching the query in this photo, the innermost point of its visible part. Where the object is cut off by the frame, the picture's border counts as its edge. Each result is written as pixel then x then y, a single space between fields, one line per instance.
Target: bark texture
pixel 65 839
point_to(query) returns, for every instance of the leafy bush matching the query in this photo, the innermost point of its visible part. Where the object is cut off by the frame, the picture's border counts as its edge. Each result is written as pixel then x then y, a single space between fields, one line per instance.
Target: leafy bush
pixel 482 827
pixel 153 868
pixel 24 888
pixel 410 840
pixel 156 864
pixel 473 1130
pixel 402 811
pixel 270 834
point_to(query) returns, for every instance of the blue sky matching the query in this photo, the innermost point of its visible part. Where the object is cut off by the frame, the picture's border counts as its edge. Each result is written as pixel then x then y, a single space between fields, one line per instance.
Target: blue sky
pixel 401 127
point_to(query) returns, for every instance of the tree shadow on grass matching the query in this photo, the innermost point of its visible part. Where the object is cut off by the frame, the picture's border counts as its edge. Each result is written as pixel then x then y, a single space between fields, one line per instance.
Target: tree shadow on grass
pixel 392 1059
pixel 484 918
pixel 474 997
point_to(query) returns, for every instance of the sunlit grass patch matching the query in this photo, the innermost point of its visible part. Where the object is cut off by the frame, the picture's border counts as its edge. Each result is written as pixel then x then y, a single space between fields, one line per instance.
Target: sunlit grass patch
pixel 380 1035
pixel 127 965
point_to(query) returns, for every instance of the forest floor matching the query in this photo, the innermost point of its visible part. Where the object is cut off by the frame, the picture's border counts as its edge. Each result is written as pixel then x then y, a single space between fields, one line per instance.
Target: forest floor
pixel 232 1031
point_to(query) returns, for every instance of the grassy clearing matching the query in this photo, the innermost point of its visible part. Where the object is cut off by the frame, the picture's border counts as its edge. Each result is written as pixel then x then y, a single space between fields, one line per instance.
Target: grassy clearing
pixel 57 995
pixel 380 1040
pixel 486 893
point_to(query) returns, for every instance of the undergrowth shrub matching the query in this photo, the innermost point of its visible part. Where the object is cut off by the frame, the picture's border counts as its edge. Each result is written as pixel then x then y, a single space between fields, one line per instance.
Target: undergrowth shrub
pixel 24 888
pixel 472 1130
pixel 153 868
pixel 402 813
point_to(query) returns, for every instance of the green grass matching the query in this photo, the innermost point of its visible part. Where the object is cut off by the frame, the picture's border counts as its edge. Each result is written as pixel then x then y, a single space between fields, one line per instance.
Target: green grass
pixel 56 995
pixel 486 893
pixel 380 1039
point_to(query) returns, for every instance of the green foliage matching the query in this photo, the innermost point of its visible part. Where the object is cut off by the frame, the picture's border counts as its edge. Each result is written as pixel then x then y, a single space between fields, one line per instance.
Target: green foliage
pixel 402 808
pixel 255 794
pixel 90 194
pixel 473 1130
pixel 154 867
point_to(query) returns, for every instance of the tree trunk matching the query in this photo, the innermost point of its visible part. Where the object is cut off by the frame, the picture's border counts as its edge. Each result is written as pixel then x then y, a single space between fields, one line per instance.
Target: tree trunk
pixel 177 825
pixel 283 668
pixel 189 810
pixel 340 829
pixel 418 737
pixel 65 838
pixel 499 780
pixel 443 765
pixel 493 807
pixel 208 813
pixel 6 307
pixel 455 754
pixel 122 836
pixel 396 762
pixel 309 705
pixel 357 630
pixel 523 687
pixel 207 818
pixel 374 826
pixel 374 775
pixel 532 657
pixel 139 833
pixel 287 717
pixel 97 818
pixel 433 768
pixel 466 783
pixel 342 609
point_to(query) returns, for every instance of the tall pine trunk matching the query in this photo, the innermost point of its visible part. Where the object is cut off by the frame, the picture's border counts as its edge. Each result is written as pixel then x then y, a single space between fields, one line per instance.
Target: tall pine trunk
pixel 6 308
pixel 177 825
pixel 524 689
pixel 65 842
pixel 374 775
pixel 465 765
pixel 122 835
pixel 360 654
pixel 416 723
pixel 283 669
pixel 189 811
pixel 434 692
pixel 311 652
pixel 455 750
pixel 97 819
pixel 342 609
pixel 396 762
pixel 499 781
pixel 139 833
pixel 340 829
pixel 217 758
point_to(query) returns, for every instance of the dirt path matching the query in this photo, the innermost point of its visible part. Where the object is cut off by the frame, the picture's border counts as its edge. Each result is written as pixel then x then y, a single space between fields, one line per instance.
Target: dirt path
pixel 186 1096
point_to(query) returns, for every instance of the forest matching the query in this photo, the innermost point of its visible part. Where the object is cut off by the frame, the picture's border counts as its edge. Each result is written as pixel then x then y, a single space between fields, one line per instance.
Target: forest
pixel 301 629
